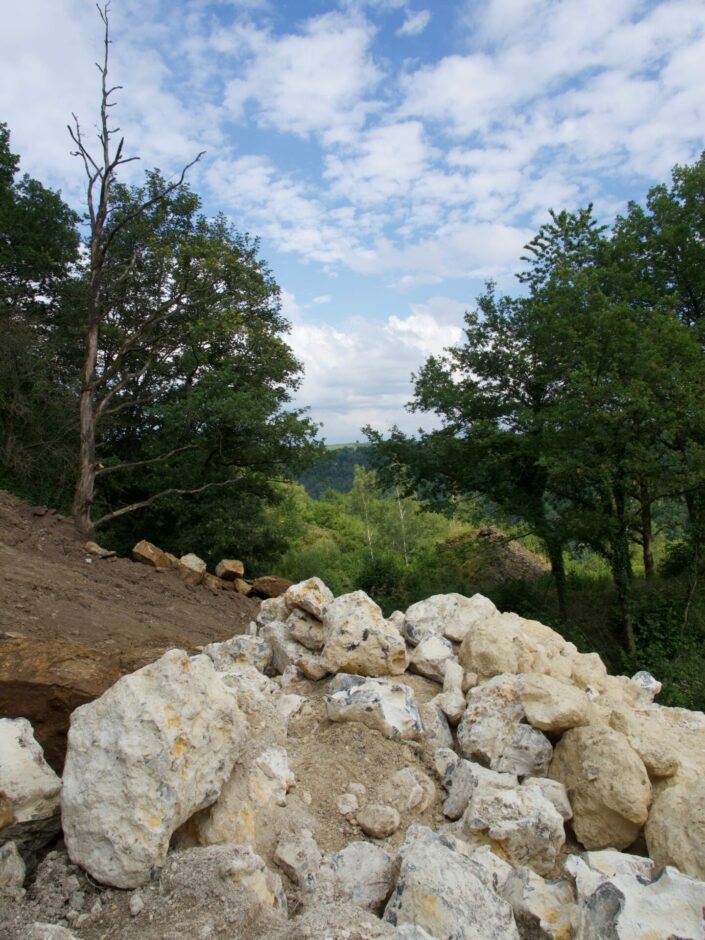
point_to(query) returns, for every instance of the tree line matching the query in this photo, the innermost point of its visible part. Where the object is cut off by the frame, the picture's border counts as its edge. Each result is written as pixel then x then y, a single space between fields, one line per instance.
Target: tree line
pixel 576 406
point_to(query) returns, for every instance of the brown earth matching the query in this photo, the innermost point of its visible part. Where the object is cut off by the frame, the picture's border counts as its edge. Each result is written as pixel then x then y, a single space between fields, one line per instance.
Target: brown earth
pixel 51 588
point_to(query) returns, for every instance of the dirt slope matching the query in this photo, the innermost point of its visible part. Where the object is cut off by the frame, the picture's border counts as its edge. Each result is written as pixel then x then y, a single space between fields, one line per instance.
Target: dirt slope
pixel 50 588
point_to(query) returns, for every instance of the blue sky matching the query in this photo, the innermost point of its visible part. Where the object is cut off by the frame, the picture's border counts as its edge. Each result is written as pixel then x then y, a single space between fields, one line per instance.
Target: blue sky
pixel 391 154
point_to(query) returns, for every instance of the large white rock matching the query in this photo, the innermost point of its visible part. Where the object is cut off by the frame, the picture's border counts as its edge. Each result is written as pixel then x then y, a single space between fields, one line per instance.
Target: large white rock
pixel 27 782
pixel 300 858
pixel 306 630
pixel 608 786
pixel 491 730
pixel 551 704
pixel 29 789
pixel 521 820
pixel 387 706
pixel 544 910
pixel 649 736
pixel 362 872
pixel 675 830
pixel 141 759
pixel 286 652
pixel 359 639
pixel 431 657
pixel 445 892
pixel 238 650
pixel 191 568
pixel 625 907
pixel 272 608
pixel 460 778
pixel 311 595
pixel 436 729
pixel 449 615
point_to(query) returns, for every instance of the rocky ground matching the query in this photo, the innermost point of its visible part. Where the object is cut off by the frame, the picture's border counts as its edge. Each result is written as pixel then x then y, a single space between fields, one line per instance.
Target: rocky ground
pixel 451 773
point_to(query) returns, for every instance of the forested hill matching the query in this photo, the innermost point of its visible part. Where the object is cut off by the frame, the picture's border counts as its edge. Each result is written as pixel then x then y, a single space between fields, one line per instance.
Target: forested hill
pixel 336 469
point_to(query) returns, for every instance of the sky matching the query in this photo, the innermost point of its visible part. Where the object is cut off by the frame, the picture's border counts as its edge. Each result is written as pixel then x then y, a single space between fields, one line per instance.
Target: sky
pixel 392 155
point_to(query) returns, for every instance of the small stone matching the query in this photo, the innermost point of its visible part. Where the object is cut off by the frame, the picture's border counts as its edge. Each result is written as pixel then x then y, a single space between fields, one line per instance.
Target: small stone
pixel 431 656
pixel 435 726
pixel 136 903
pixel 409 789
pixel 12 867
pixel 378 820
pixel 362 872
pixel 300 858
pixel 359 789
pixel 648 687
pixel 149 554
pixel 191 568
pixel 347 804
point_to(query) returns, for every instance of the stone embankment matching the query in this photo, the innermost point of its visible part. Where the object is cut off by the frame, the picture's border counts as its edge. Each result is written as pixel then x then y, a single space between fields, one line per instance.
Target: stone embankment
pixel 447 773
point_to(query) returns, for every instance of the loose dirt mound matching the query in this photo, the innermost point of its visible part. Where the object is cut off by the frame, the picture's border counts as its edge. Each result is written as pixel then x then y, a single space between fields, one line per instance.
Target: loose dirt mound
pixel 52 589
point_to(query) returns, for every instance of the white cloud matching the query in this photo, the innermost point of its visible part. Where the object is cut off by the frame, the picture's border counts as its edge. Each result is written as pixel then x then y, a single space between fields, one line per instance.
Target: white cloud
pixel 415 23
pixel 360 373
pixel 322 299
pixel 312 81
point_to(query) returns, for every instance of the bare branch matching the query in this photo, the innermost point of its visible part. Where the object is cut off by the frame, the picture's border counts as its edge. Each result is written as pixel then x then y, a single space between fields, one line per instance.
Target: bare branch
pixel 143 504
pixel 102 471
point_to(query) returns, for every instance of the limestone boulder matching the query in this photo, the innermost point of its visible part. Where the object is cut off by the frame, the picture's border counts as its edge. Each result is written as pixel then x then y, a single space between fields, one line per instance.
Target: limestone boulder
pixel 286 652
pixel 544 910
pixel 271 609
pixel 45 680
pixel 461 778
pixel 626 906
pixel 436 729
pixel 359 639
pixel 493 733
pixel 311 596
pixel 648 734
pixel 607 784
pixel 306 630
pixel 240 649
pixel 431 657
pixel 444 892
pixel 388 707
pixel 191 569
pixel 148 554
pixel 144 757
pixel 449 615
pixel 230 569
pixel 409 789
pixel 675 830
pixel 299 858
pixel 378 820
pixel 551 704
pixel 12 868
pixel 362 872
pixel 648 687
pixel 29 790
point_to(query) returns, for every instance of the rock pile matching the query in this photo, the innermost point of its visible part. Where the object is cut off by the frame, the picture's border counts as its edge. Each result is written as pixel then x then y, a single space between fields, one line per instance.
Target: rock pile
pixel 451 773
pixel 229 573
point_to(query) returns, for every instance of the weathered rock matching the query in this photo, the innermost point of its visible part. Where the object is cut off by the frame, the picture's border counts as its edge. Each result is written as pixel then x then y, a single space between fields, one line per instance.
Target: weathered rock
pixel 378 820
pixel 555 793
pixel 246 801
pixel 45 680
pixel 359 639
pixel 648 687
pixel 452 704
pixel 608 786
pixel 299 858
pixel 242 586
pixel 387 706
pixel 41 931
pixel 411 932
pixel 306 629
pixel 244 648
pixel 311 596
pixel 435 726
pixel 148 554
pixel 622 906
pixel 230 569
pixel 675 830
pixel 362 872
pixel 491 731
pixel 431 657
pixel 270 586
pixel 453 677
pixel 444 892
pixel 450 615
pixel 12 867
pixel 29 787
pixel 191 568
pixel 506 643
pixel 347 804
pixel 461 778
pixel 521 820
pixel 271 609
pixel 544 910
pixel 153 750
pixel 287 652
pixel 92 548
pixel 552 705
pixel 216 584
pixel 408 789
pixel 649 737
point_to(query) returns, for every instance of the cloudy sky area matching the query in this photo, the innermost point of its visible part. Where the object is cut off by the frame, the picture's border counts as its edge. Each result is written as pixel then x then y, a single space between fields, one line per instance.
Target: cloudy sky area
pixel 391 154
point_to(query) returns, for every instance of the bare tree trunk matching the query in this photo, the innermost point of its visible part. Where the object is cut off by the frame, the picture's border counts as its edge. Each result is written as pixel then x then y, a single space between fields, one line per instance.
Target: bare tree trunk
pixel 647 530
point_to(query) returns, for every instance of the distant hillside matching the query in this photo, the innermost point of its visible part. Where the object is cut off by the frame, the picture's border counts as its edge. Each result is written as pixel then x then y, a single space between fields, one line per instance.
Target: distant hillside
pixel 334 471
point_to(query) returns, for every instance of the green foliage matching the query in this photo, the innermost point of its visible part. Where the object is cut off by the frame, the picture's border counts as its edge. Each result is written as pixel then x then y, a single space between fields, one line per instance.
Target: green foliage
pixel 335 469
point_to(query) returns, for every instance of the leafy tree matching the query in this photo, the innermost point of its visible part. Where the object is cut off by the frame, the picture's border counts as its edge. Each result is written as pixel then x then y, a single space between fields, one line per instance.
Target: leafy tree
pixel 38 250
pixel 185 376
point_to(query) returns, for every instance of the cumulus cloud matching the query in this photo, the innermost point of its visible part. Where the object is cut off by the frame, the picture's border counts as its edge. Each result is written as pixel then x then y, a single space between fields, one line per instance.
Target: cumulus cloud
pixel 360 373
pixel 415 23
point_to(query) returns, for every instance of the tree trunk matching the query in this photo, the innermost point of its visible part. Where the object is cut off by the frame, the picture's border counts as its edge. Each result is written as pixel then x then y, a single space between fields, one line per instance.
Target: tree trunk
pixel 622 565
pixel 85 484
pixel 647 530
pixel 555 554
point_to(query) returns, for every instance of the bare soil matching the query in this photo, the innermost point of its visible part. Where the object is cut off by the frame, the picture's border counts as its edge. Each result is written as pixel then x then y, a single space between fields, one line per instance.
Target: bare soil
pixel 51 588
